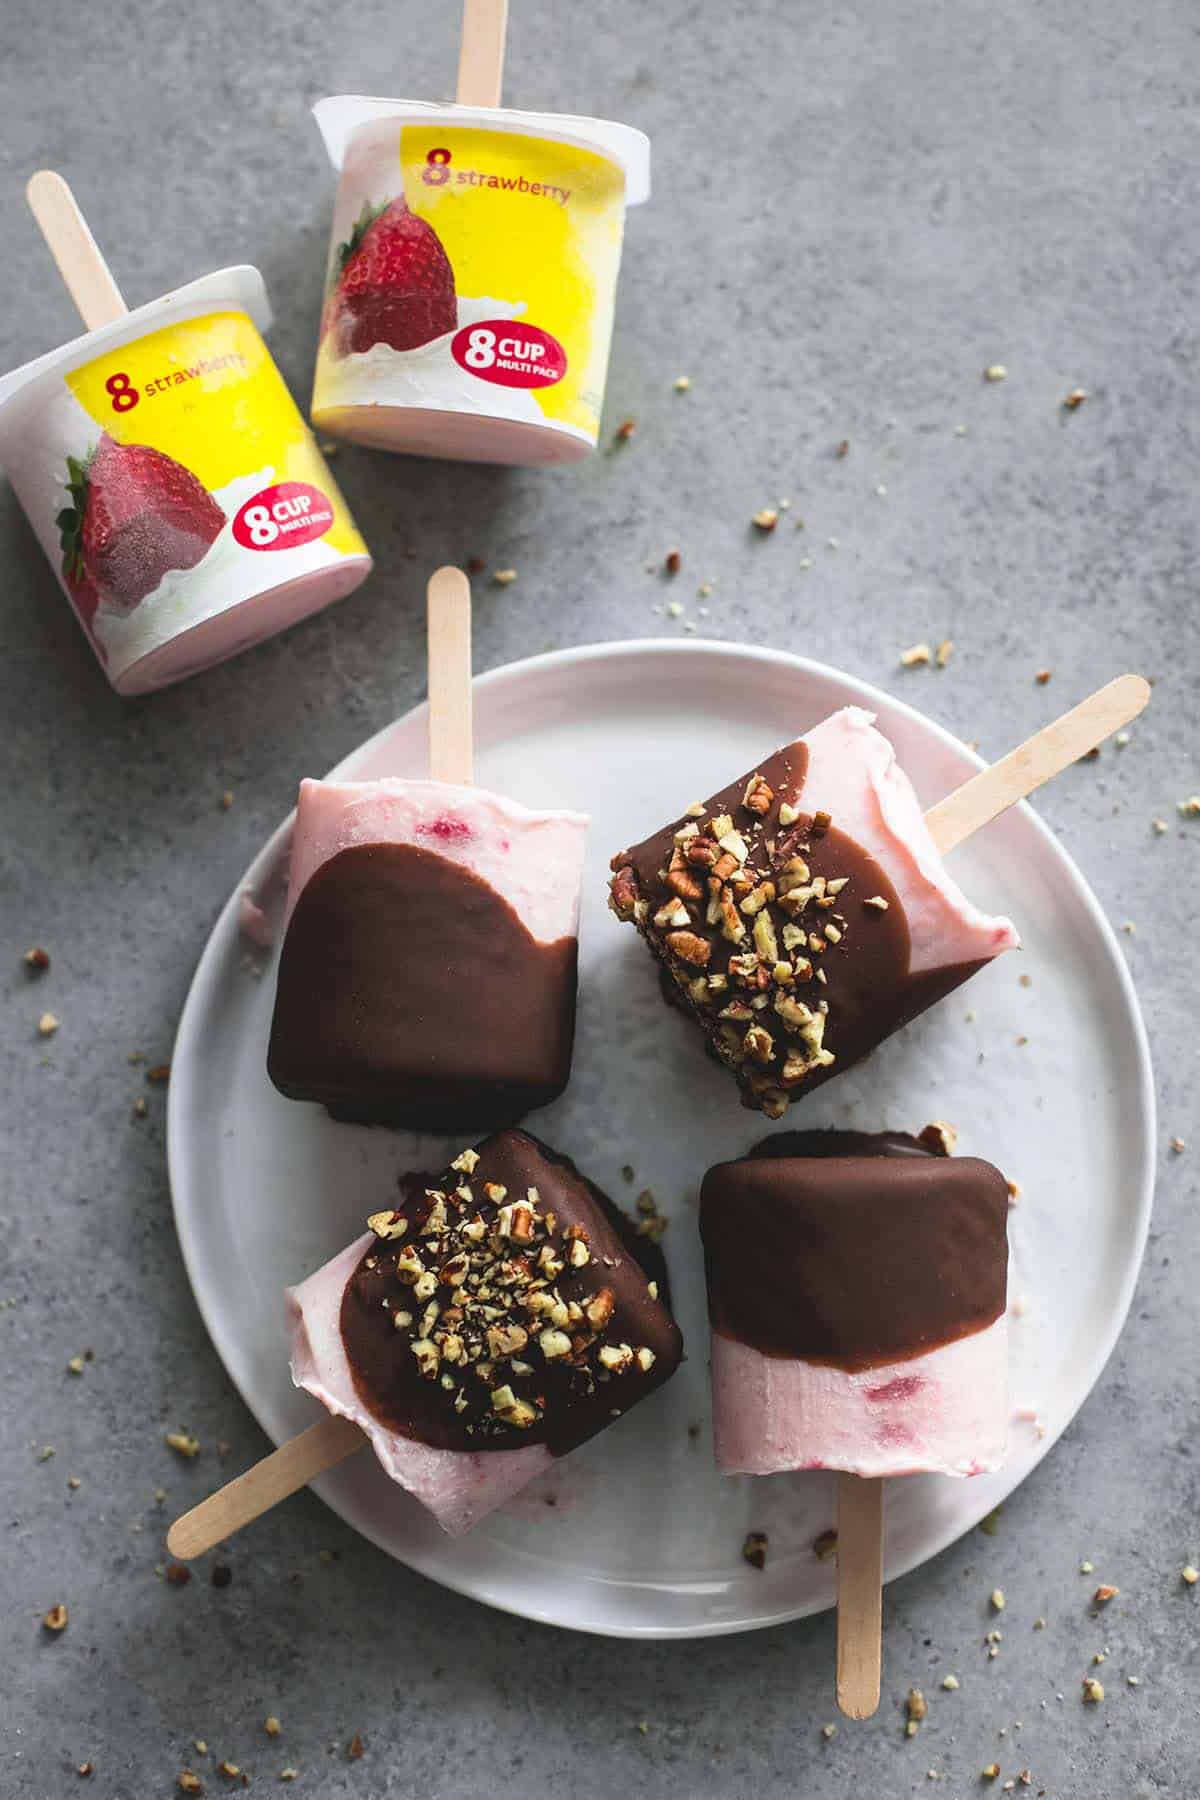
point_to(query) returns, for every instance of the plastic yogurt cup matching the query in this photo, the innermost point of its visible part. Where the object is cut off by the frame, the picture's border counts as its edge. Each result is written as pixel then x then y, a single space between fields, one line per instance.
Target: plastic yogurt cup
pixel 174 485
pixel 472 274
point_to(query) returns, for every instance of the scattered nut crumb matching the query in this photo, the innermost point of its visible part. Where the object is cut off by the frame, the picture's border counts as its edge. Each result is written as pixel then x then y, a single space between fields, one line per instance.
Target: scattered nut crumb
pixel 1104 1593
pixel 1189 1575
pixel 75 1366
pixel 47 1025
pixel 674 609
pixel 1122 740
pixel 288 1774
pixel 84 1768
pixel 1043 676
pixel 625 431
pixel 996 1597
pixel 139 1107
pixel 356 1749
pixel 56 1618
pixel 682 383
pixel 190 1782
pixel 227 799
pixel 766 518
pixel 1160 827
pixel 183 1442
pixel 1189 808
pixel 995 372
pixel 271 1725
pixel 950 1683
pixel 159 1075
pixel 673 562
pixel 825 1545
pixel 1039 1624
pixel 828 1731
pixel 843 449
pixel 939 1137
pixel 1093 1692
pixel 1087 1568
pixel 1075 399
pixel 916 1706
pixel 37 961
pixel 178 1574
pixel 754 1549
pixel 916 656
pixel 945 651
pixel 230 1770
pixel 74 1483
pixel 989 1771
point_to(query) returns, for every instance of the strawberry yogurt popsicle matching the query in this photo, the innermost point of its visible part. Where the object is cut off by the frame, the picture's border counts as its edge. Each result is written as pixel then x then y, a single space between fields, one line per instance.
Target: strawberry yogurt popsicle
pixel 495 1320
pixel 428 971
pixel 803 914
pixel 857 1295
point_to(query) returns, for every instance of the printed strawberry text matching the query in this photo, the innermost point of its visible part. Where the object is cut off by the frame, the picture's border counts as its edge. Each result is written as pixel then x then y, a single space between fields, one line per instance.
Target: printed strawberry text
pixel 125 396
pixel 438 172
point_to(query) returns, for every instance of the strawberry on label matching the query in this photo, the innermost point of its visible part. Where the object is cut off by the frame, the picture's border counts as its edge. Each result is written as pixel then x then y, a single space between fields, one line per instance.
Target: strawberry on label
pixel 137 513
pixel 394 284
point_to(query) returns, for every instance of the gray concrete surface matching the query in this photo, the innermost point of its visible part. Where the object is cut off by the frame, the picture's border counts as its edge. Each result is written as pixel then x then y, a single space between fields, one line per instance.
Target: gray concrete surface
pixel 856 209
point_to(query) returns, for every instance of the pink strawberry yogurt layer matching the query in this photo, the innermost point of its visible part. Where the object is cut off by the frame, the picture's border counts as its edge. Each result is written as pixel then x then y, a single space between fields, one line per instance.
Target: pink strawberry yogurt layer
pixel 533 860
pixel 943 1413
pixel 458 1487
pixel 853 775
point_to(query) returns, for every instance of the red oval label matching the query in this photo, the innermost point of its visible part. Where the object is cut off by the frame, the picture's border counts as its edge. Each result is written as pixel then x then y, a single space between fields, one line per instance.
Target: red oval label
pixel 280 517
pixel 510 354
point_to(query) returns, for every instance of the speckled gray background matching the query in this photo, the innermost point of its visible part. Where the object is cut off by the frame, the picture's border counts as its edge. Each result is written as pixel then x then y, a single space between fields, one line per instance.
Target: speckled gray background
pixel 856 210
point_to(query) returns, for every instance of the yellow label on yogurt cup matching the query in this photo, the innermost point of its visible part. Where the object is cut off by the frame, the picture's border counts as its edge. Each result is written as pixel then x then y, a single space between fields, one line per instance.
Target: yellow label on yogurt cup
pixel 472 271
pixel 188 482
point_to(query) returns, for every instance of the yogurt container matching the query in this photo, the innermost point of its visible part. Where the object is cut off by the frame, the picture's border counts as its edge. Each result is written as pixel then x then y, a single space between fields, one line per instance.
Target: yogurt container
pixel 472 274
pixel 174 485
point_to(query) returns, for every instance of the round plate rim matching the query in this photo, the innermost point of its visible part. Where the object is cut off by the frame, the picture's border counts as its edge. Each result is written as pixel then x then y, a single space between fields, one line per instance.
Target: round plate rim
pixel 551 661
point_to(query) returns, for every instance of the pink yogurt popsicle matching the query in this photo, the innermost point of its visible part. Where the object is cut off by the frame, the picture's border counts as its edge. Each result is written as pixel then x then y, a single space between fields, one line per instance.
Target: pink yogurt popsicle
pixel 803 913
pixel 495 1320
pixel 857 1294
pixel 427 977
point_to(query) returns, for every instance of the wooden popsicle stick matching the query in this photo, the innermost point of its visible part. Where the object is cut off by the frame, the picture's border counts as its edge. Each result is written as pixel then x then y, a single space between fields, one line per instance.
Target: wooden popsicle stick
pixel 1046 754
pixel 481 55
pixel 80 260
pixel 449 601
pixel 290 1467
pixel 859 1594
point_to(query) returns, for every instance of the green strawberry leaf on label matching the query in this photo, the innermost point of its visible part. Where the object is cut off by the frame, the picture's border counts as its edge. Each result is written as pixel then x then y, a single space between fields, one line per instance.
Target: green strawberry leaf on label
pixel 362 225
pixel 70 519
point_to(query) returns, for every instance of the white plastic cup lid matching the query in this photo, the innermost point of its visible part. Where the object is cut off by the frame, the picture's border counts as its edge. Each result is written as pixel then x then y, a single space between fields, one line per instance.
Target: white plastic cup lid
pixel 340 116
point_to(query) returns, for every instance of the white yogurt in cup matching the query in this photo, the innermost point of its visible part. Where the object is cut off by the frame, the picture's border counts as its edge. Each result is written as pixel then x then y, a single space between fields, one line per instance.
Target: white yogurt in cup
pixel 174 485
pixel 472 276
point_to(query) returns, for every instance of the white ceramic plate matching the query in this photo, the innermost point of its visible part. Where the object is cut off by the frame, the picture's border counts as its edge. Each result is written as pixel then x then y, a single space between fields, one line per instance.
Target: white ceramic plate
pixel 635 1535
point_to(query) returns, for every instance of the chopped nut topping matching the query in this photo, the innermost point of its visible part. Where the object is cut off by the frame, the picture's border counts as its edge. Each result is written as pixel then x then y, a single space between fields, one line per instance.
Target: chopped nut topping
pixel 997 1599
pixel 387 1224
pixel 1104 1593
pixel 915 656
pixel 1093 1692
pixel 754 1549
pixel 916 1706
pixel 945 651
pixel 1075 399
pixel 876 902
pixel 766 519
pixel 271 1725
pixel 950 1683
pixel 939 1137
pixel 995 372
pixel 504 577
pixel 1189 1575
pixel 184 1443
pixel 47 1025
pixel 788 814
pixel 190 1782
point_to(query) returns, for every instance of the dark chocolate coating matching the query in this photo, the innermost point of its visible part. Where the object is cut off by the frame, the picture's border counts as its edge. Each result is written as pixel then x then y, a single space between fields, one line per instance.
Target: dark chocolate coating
pixel 852 1250
pixel 411 994
pixel 868 987
pixel 574 1398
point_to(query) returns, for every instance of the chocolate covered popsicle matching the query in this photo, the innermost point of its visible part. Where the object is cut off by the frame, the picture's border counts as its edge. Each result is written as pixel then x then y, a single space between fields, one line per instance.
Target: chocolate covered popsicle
pixel 427 977
pixel 496 1319
pixel 857 1295
pixel 803 914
